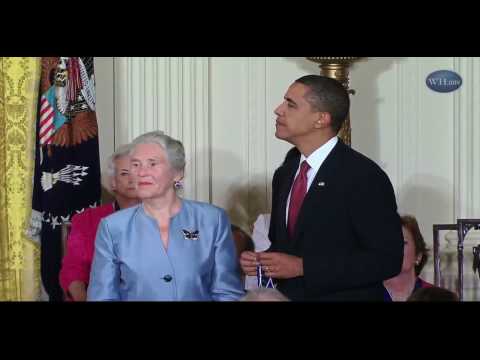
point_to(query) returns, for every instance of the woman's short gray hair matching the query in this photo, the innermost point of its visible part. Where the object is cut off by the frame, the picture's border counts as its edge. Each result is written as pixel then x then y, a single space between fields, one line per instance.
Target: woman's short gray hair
pixel 109 172
pixel 264 294
pixel 173 148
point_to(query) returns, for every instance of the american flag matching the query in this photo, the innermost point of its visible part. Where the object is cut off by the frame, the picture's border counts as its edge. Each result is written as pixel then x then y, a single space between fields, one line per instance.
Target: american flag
pixel 47 128
pixel 67 165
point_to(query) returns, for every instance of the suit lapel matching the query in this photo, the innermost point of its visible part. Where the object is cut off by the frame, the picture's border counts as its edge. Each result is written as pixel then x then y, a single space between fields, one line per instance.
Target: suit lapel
pixel 287 174
pixel 321 185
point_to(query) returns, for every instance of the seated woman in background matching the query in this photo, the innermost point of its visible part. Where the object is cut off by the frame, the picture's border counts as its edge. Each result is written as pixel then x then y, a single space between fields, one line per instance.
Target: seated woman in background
pixel 433 293
pixel 415 256
pixel 261 242
pixel 243 242
pixel 166 248
pixel 264 294
pixel 77 262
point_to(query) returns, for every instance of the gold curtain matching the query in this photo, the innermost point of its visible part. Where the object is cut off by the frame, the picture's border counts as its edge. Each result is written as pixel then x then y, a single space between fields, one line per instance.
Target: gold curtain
pixel 19 255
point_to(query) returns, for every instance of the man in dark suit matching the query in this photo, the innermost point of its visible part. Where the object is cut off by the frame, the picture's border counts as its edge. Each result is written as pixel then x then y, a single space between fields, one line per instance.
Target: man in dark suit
pixel 335 230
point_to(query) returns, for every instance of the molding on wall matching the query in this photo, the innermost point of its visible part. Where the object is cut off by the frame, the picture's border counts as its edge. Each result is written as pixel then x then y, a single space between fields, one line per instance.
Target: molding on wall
pixel 169 94
pixel 258 200
pixel 173 94
pixel 466 134
pixel 407 120
pixel 398 122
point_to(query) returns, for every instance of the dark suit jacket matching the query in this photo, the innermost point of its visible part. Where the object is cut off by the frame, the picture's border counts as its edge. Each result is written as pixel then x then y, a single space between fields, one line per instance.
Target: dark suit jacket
pixel 348 231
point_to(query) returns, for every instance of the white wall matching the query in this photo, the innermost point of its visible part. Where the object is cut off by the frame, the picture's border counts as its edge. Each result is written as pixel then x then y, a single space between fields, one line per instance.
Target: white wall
pixel 407 129
pixel 105 91
pixel 172 95
pixel 425 141
pixel 222 109
pixel 245 153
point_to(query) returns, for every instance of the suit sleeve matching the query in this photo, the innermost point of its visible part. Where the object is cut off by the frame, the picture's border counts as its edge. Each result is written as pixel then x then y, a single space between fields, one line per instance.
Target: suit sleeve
pixel 293 155
pixel 226 285
pixel 272 236
pixel 376 226
pixel 105 274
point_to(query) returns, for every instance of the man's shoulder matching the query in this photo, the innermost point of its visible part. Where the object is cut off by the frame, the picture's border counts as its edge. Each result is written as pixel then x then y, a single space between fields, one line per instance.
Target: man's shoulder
pixel 292 156
pixel 355 161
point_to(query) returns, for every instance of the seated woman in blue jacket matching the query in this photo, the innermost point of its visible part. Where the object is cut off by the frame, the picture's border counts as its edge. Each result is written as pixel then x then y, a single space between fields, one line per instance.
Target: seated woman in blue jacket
pixel 166 248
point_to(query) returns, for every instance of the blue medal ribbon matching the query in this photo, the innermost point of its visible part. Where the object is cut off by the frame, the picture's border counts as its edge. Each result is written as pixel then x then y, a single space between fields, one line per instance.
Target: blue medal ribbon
pixel 264 281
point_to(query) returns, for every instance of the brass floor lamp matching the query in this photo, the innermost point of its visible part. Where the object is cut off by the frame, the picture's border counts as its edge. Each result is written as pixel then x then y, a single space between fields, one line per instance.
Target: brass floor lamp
pixel 338 68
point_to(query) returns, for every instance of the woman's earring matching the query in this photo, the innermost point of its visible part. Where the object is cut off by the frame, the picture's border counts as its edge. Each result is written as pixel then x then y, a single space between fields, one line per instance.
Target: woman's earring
pixel 177 185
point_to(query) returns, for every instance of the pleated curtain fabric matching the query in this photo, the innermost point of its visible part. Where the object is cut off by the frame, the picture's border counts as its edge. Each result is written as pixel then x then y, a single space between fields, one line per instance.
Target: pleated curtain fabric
pixel 19 255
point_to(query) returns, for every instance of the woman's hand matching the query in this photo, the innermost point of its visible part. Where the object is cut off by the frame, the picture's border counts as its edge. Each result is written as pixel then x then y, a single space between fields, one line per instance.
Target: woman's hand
pixel 248 262
pixel 78 290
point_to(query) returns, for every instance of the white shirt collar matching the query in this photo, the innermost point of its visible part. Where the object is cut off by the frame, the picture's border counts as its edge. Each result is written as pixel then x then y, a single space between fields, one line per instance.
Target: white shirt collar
pixel 316 159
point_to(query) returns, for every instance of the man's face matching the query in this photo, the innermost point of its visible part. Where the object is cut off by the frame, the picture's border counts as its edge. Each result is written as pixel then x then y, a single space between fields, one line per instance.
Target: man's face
pixel 295 116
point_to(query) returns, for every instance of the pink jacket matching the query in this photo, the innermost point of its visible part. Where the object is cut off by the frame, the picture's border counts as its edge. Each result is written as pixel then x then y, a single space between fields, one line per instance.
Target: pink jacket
pixel 81 245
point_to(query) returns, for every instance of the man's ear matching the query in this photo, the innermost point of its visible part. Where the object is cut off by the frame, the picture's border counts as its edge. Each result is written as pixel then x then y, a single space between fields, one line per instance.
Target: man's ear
pixel 324 120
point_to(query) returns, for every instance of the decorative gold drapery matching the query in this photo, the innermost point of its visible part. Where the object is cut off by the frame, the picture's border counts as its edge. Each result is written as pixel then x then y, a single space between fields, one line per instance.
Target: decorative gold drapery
pixel 19 256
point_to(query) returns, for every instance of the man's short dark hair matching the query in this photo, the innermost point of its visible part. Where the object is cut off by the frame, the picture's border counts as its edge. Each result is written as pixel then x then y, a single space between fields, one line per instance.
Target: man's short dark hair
pixel 433 294
pixel 329 95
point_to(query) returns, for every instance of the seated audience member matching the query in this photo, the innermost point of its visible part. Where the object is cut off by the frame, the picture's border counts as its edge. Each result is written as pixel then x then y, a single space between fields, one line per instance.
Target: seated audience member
pixel 260 238
pixel 243 242
pixel 166 248
pixel 415 255
pixel 264 294
pixel 476 259
pixel 433 293
pixel 260 243
pixel 75 271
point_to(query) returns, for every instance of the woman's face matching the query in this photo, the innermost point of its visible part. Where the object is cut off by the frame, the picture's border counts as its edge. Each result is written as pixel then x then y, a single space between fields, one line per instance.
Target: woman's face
pixel 409 256
pixel 152 173
pixel 122 182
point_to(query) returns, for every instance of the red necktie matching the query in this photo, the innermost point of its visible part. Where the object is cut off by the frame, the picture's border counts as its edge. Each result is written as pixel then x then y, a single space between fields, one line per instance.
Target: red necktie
pixel 299 189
